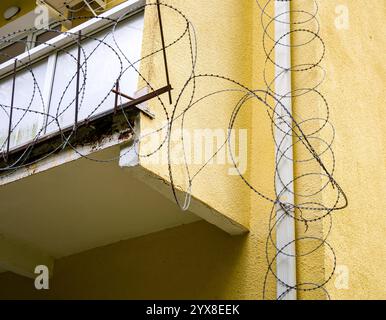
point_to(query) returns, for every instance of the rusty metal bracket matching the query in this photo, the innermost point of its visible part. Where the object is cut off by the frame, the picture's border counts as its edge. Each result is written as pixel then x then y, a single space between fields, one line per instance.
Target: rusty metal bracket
pixel 138 101
pixel 87 127
pixel 118 93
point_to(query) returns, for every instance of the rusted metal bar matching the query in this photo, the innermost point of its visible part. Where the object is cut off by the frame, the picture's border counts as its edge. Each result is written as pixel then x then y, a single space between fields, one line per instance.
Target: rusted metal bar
pixel 11 111
pixel 78 81
pixel 148 96
pixel 118 93
pixel 92 121
pixel 144 98
pixel 164 49
pixel 116 96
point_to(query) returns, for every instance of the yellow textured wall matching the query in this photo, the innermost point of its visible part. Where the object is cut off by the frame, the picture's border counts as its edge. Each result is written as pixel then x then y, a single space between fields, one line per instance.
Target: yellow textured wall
pixel 308 105
pixel 229 36
pixel 222 49
pixel 354 89
pixel 200 261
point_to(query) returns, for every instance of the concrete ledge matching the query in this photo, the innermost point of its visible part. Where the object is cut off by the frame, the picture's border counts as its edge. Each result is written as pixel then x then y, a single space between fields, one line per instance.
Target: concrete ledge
pixel 130 162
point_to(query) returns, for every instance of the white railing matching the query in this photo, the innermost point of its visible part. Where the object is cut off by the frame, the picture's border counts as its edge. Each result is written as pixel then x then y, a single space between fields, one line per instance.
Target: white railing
pixel 41 96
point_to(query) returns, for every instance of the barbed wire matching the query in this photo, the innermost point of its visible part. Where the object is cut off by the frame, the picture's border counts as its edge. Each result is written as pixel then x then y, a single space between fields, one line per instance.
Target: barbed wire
pixel 311 211
pixel 307 212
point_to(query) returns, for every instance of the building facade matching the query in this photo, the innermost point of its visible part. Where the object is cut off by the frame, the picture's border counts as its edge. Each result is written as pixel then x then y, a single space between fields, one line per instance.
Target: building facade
pixel 192 149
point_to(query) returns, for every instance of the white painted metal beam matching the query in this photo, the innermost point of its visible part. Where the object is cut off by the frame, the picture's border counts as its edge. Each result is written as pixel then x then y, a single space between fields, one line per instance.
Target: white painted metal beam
pixel 285 231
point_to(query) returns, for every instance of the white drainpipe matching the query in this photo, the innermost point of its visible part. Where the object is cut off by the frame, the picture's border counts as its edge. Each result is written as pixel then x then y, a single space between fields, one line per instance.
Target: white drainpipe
pixel 285 232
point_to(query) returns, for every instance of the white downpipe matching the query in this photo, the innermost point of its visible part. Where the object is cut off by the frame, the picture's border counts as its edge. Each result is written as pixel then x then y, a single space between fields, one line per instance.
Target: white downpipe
pixel 285 231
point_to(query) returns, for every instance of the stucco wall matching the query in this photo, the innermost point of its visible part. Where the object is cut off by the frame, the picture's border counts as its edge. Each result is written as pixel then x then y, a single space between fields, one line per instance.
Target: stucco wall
pixel 224 37
pixel 353 34
pixel 355 88
pixel 200 261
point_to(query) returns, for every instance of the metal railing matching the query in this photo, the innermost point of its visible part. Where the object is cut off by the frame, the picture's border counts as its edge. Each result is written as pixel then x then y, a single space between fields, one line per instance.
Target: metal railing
pixel 70 78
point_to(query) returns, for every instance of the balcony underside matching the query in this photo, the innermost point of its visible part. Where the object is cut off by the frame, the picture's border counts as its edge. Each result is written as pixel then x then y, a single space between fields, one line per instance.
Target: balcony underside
pixel 84 204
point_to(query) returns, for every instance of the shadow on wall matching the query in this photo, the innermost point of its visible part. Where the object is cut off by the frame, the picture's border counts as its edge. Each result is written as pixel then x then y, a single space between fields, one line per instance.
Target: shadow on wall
pixel 195 261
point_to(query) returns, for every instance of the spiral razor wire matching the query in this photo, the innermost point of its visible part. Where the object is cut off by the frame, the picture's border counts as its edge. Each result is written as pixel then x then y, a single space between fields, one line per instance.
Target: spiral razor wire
pixel 310 208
